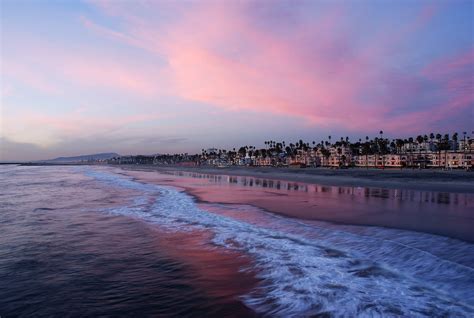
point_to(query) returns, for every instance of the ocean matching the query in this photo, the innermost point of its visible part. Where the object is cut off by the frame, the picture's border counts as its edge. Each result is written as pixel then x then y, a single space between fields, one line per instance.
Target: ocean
pixel 95 241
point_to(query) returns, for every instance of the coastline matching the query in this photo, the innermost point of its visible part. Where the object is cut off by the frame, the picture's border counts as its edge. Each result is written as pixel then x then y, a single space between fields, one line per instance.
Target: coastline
pixel 409 179
pixel 421 210
pixel 451 219
pixel 234 207
pixel 240 252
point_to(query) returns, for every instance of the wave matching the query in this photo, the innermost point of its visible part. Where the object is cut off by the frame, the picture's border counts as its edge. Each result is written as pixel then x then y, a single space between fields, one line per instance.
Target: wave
pixel 308 269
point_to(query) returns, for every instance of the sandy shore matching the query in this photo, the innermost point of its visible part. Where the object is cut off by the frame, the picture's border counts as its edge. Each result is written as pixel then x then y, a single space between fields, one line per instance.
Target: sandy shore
pixel 339 199
pixel 455 181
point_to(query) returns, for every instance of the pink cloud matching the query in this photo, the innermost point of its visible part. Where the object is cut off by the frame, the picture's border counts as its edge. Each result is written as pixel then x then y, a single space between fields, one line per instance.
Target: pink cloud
pixel 46 68
pixel 41 128
pixel 445 66
pixel 217 55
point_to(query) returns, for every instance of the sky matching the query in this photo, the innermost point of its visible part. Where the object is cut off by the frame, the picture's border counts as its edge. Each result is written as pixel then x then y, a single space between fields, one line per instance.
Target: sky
pixel 81 77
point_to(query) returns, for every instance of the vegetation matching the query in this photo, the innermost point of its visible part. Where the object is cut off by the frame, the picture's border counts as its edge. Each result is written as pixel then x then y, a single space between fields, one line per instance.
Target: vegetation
pixel 279 153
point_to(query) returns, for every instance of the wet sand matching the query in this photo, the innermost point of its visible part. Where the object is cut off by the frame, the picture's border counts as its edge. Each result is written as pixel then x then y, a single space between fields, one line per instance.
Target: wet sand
pixel 426 180
pixel 436 212
pixel 222 274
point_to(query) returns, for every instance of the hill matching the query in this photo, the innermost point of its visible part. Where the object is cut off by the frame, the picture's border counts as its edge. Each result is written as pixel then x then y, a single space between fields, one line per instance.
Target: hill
pixel 92 157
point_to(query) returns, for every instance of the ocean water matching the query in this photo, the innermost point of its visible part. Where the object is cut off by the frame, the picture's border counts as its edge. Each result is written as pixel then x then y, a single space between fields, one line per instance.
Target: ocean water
pixel 88 241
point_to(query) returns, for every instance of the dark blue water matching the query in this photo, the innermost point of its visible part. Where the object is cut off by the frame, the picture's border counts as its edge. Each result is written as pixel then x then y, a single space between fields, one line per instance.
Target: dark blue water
pixel 85 241
pixel 62 254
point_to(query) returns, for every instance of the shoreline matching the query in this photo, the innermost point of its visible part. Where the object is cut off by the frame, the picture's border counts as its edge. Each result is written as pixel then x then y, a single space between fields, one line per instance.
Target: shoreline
pixel 438 213
pixel 451 181
pixel 421 180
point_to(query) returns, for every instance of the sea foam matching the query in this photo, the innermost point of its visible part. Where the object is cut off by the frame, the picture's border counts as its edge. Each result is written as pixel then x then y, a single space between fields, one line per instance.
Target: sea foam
pixel 307 268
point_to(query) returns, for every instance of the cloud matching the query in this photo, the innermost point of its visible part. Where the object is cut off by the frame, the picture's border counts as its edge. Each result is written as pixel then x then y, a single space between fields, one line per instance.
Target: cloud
pixel 53 69
pixel 11 151
pixel 73 145
pixel 315 69
pixel 51 129
pixel 219 71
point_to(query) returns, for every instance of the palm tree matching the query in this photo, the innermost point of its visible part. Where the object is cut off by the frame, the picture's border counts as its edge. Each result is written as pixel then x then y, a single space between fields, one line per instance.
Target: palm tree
pixel 380 151
pixel 419 140
pixel 425 139
pixel 383 150
pixel 365 151
pixel 464 144
pixel 446 148
pixel 399 145
pixel 325 153
pixel 339 152
pixel 410 150
pixel 438 141
pixel 376 147
pixel 455 141
pixel 393 146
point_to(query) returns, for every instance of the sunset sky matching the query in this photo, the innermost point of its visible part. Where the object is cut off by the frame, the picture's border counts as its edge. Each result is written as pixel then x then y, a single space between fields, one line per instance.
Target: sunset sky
pixel 131 77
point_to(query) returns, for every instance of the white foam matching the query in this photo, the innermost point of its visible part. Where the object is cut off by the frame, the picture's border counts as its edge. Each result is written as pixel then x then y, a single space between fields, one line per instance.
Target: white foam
pixel 309 269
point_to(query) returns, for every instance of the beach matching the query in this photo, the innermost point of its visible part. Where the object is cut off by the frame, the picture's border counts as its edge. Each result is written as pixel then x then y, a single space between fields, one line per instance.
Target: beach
pixel 226 159
pixel 460 181
pixel 399 227
pixel 439 204
pixel 121 240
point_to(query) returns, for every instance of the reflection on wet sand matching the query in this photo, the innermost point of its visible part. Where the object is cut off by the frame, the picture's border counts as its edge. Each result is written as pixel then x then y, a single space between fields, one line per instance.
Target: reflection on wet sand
pixel 440 213
pixel 214 270
pixel 396 194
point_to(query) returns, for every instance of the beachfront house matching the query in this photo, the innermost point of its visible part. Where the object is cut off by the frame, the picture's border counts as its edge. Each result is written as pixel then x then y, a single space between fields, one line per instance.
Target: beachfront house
pixel 340 156
pixel 264 161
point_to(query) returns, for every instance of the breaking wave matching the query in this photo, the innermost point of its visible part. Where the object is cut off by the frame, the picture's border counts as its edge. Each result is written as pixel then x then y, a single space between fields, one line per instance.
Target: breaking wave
pixel 312 268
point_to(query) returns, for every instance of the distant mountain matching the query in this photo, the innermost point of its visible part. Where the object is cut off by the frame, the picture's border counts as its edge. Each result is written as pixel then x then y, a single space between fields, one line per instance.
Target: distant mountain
pixel 93 157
